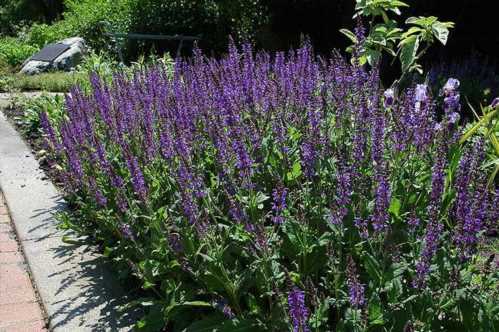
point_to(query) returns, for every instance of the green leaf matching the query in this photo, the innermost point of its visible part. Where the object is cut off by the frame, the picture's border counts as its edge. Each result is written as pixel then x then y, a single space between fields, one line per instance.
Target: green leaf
pixel 261 198
pixel 409 48
pixel 153 321
pixel 381 29
pixel 394 32
pixel 483 122
pixel 320 317
pixel 373 267
pixel 353 316
pixel 195 304
pixel 448 305
pixel 411 31
pixel 441 32
pixel 71 240
pixel 107 251
pixel 253 304
pixel 148 285
pixel 424 22
pixel 398 3
pixel 373 57
pixel 295 171
pixel 350 35
pixel 375 313
pixel 395 207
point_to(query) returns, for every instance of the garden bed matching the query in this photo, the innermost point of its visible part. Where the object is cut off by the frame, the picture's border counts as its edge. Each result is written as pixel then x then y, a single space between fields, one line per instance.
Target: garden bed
pixel 261 193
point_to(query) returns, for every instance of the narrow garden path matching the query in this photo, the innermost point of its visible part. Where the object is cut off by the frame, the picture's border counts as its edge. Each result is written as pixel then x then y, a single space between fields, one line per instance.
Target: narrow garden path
pixel 19 306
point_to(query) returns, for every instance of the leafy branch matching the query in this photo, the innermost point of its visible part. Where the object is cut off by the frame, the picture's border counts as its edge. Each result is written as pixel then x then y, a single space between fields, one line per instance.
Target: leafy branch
pixel 408 44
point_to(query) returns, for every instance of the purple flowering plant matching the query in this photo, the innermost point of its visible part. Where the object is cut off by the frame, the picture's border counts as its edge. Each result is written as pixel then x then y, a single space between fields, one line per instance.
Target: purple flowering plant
pixel 282 192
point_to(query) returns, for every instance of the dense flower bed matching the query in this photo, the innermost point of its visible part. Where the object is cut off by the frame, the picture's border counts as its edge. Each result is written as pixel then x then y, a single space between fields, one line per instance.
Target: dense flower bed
pixel 282 192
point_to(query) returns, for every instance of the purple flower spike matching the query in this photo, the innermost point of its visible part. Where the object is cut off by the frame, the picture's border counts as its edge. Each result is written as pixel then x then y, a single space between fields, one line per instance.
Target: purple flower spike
pixel 298 312
pixel 434 227
pixel 279 204
pixel 389 97
pixel 138 181
pixel 362 225
pixel 355 288
pixel 49 131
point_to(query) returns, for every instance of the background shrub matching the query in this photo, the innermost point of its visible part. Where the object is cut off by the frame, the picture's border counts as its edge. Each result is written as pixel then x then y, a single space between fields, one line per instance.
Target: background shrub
pixel 83 18
pixel 13 51
pixel 213 20
pixel 40 34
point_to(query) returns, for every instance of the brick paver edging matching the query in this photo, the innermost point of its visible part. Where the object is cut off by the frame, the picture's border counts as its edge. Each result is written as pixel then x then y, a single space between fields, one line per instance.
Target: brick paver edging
pixel 77 290
pixel 19 307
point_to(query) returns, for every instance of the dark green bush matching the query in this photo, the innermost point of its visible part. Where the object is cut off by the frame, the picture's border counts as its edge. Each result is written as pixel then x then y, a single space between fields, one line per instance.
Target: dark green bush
pixel 15 13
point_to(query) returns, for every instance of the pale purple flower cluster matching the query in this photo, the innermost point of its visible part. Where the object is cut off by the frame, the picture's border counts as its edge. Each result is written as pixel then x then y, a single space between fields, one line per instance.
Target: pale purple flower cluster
pixel 414 122
pixel 451 100
pixel 362 227
pixel 389 95
pixel 126 231
pixel 421 94
pixel 224 307
pixel 413 223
